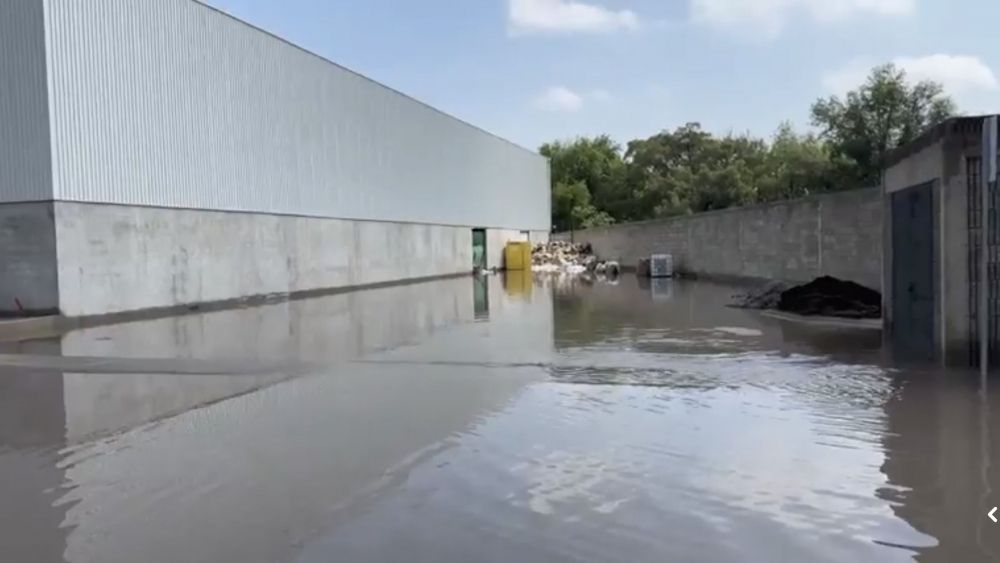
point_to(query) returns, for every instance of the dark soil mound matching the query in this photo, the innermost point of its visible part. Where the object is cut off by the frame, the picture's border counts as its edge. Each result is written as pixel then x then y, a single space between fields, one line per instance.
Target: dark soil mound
pixel 830 297
pixel 766 297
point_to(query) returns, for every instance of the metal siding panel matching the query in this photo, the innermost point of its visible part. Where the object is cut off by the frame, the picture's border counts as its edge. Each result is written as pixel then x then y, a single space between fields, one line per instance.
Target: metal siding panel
pixel 172 103
pixel 25 148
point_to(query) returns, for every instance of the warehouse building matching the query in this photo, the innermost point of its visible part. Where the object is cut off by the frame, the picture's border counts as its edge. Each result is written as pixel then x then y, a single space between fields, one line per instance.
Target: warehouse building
pixel 159 153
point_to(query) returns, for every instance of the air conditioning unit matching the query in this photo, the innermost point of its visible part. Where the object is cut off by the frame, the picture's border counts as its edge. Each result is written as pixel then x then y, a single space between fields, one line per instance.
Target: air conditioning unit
pixel 661 266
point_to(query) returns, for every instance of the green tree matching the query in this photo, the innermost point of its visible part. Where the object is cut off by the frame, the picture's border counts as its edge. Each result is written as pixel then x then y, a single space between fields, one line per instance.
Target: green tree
pixel 887 111
pixel 596 163
pixel 688 170
pixel 571 208
pixel 797 165
pixel 662 169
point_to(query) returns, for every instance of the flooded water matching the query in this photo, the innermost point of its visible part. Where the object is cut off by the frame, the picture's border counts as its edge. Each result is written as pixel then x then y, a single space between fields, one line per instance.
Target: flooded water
pixel 505 421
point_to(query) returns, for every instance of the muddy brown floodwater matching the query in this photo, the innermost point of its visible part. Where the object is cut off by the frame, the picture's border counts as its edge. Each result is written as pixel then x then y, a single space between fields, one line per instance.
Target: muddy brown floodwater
pixel 493 421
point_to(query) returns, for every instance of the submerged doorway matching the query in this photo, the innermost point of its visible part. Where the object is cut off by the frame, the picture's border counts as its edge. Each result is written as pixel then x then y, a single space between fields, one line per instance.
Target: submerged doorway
pixel 479 249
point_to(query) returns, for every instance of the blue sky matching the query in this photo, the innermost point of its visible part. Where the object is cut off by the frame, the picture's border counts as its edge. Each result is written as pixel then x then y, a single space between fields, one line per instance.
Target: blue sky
pixel 536 70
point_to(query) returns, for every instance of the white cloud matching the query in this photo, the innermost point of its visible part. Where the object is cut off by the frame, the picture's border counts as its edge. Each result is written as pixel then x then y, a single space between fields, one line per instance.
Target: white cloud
pixel 959 74
pixel 768 17
pixel 567 16
pixel 561 99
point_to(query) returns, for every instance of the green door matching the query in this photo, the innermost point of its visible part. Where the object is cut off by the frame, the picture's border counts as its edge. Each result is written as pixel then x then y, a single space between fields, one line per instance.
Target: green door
pixel 479 249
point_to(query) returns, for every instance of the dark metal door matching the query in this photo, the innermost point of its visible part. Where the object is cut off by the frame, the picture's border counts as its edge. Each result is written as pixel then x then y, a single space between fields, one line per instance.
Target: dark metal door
pixel 913 272
pixel 479 248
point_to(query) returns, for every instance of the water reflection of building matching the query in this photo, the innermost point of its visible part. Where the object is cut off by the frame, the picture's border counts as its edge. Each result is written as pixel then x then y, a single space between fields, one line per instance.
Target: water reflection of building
pixel 940 444
pixel 32 431
pixel 81 484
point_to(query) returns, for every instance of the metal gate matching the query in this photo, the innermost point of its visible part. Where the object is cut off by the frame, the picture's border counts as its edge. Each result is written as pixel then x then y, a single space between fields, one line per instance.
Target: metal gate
pixel 479 260
pixel 913 272
pixel 974 170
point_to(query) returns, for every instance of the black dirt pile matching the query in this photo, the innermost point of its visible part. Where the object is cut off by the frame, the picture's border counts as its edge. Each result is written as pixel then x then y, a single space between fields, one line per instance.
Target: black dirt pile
pixel 825 296
pixel 831 297
pixel 766 297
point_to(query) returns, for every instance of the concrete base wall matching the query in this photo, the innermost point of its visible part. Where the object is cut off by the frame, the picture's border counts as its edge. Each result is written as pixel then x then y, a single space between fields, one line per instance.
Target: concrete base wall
pixel 28 259
pixel 81 259
pixel 836 234
pixel 119 258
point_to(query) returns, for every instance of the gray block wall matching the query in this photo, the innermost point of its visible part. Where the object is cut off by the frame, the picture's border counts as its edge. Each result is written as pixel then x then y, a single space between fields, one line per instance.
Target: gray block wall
pixel 115 259
pixel 82 259
pixel 28 278
pixel 837 234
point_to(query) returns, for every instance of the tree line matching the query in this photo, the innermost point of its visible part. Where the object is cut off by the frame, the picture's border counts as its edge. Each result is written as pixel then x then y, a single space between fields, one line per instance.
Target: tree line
pixel 596 182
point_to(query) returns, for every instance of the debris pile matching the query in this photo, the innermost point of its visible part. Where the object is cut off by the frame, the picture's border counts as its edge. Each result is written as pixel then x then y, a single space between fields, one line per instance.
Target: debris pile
pixel 831 297
pixel 766 297
pixel 566 257
pixel 826 296
pixel 562 256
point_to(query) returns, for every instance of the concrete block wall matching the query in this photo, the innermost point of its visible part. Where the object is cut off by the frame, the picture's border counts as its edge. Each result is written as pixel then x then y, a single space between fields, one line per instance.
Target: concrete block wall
pixel 83 259
pixel 121 258
pixel 838 234
pixel 28 278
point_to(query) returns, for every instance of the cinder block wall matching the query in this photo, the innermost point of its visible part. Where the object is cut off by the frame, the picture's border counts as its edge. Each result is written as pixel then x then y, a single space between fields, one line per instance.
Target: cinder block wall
pixel 115 258
pixel 837 234
pixel 28 280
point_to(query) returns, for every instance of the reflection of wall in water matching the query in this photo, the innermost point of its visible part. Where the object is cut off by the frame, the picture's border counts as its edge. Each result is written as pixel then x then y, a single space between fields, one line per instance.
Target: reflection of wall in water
pixel 843 344
pixel 285 458
pixel 32 431
pixel 939 461
pixel 334 328
pixel 284 427
pixel 592 310
pixel 689 313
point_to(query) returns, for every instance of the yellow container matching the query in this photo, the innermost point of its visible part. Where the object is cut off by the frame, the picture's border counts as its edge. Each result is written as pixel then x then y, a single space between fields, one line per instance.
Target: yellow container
pixel 517 256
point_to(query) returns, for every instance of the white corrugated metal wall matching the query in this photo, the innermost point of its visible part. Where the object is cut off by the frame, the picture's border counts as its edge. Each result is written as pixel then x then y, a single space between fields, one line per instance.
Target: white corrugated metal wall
pixel 172 103
pixel 25 171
